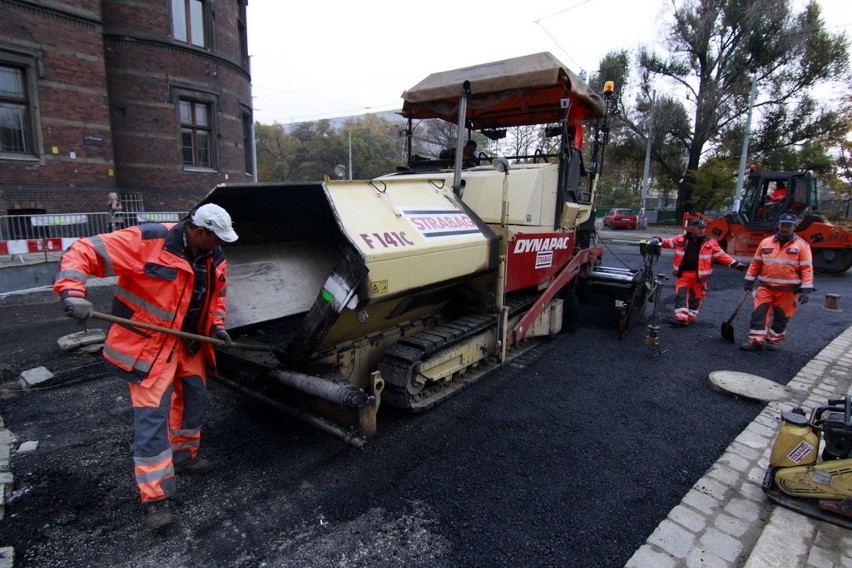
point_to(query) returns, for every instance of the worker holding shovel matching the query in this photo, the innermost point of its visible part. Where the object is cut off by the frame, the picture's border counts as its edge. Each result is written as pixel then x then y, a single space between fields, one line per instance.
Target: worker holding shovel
pixel 784 272
pixel 171 276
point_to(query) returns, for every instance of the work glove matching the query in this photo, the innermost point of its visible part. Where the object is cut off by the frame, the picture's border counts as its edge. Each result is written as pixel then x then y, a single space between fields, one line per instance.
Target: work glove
pixel 652 247
pixel 80 309
pixel 655 241
pixel 803 297
pixel 741 266
pixel 223 335
pixel 748 285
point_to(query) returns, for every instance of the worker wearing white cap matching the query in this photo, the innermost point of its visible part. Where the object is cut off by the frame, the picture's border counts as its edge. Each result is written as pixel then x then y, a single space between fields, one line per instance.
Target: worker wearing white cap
pixel 173 276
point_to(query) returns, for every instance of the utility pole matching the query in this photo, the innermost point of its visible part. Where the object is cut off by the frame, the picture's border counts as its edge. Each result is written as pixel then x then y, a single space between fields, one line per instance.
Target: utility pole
pixel 350 155
pixel 738 194
pixel 646 174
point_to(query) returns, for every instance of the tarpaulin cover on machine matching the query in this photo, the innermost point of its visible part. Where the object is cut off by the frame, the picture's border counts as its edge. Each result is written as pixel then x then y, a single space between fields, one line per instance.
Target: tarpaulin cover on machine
pixel 513 92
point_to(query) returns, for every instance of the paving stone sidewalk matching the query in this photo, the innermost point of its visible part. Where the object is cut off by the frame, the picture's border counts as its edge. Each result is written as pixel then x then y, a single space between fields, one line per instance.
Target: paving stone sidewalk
pixel 725 521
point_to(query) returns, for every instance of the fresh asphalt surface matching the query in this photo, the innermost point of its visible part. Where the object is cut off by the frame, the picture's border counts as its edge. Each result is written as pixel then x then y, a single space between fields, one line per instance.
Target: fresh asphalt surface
pixel 568 456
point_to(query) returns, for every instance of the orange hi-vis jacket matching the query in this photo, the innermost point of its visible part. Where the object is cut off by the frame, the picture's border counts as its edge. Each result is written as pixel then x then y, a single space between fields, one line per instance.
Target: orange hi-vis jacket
pixel 709 253
pixel 782 266
pixel 154 286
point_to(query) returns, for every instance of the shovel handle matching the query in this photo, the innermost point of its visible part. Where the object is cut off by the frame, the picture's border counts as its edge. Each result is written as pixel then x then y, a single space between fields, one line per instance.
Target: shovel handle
pixel 178 333
pixel 739 305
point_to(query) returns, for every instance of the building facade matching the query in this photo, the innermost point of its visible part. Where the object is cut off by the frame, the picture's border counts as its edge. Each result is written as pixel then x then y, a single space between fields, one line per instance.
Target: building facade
pixel 150 99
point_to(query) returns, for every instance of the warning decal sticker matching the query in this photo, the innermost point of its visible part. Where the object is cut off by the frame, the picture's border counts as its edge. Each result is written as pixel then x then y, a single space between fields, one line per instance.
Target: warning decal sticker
pixel 800 452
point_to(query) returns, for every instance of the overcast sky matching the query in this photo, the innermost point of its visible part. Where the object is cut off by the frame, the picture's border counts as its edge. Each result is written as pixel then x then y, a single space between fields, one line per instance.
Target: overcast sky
pixel 338 58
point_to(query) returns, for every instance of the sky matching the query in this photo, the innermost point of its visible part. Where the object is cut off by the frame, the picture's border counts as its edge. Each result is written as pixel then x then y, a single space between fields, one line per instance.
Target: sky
pixel 342 57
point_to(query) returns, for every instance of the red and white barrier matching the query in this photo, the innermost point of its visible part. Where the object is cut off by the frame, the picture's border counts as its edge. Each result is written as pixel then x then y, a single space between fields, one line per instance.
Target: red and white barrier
pixel 29 246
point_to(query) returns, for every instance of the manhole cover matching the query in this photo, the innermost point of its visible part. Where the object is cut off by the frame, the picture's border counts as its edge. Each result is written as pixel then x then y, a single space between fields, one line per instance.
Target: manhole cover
pixel 749 386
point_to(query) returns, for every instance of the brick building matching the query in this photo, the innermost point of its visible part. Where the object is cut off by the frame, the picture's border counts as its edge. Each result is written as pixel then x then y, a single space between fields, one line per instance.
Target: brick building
pixel 147 98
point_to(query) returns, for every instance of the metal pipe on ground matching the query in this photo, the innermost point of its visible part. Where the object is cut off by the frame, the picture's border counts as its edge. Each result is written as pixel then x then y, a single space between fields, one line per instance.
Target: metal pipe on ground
pixel 351 438
pixel 345 394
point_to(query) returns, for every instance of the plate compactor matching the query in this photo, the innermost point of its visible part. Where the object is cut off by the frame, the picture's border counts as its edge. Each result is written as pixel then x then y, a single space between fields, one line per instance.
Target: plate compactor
pixel 800 477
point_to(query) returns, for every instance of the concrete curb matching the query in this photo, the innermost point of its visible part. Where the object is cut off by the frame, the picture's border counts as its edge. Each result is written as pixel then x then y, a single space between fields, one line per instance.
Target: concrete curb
pixel 28 276
pixel 726 521
pixel 7 553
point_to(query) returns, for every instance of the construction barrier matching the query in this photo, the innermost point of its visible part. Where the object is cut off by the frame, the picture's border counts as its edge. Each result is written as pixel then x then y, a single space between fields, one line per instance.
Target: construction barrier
pixel 29 246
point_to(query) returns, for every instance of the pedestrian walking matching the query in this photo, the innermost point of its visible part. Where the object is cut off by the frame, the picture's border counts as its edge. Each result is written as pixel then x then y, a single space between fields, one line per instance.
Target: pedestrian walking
pixel 783 270
pixel 170 275
pixel 694 255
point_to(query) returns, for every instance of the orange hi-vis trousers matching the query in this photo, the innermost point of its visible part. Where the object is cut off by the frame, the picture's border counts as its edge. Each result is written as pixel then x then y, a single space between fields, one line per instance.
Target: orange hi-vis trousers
pixel 772 312
pixel 689 292
pixel 167 422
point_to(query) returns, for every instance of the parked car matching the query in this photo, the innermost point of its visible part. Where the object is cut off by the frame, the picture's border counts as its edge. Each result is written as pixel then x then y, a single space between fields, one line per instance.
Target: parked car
pixel 621 219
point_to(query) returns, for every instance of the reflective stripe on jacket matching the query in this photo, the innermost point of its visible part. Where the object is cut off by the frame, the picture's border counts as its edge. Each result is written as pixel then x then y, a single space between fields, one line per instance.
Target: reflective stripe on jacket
pixel 785 266
pixel 708 253
pixel 154 286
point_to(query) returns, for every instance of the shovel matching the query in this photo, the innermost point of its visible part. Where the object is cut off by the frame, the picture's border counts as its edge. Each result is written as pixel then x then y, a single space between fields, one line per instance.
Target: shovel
pixel 279 354
pixel 727 328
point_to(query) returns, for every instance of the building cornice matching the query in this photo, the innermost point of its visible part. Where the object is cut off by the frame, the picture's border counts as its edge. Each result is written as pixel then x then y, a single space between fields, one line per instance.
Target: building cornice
pixel 156 42
pixel 57 9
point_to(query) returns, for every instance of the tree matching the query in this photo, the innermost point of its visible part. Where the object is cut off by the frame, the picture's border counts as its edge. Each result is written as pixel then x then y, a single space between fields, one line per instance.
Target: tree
pixel 311 150
pixel 621 181
pixel 431 136
pixel 715 46
pixel 523 140
pixel 713 187
pixel 377 147
pixel 844 150
pixel 273 146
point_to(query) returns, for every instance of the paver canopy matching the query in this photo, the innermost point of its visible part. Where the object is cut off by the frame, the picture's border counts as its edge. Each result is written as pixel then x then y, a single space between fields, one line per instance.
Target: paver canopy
pixel 513 92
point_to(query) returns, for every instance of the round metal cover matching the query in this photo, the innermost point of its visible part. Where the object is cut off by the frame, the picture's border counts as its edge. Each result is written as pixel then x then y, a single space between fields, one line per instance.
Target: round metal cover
pixel 748 386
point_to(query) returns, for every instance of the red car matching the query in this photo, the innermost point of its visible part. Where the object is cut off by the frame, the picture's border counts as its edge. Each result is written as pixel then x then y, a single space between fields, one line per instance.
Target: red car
pixel 621 219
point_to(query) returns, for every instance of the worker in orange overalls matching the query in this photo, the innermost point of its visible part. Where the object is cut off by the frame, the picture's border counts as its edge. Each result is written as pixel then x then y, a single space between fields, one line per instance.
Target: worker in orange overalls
pixel 173 276
pixel 784 272
pixel 694 255
pixel 779 194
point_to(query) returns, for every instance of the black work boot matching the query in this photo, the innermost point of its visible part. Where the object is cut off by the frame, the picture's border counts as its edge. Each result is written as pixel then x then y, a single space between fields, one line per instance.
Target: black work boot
pixel 158 515
pixel 198 466
pixel 751 346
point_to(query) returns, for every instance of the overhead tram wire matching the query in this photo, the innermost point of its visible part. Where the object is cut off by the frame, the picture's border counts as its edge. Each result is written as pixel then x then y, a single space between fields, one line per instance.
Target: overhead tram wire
pixel 553 39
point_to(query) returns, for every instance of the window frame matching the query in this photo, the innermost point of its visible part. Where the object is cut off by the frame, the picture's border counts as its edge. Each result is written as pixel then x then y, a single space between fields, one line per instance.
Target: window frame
pixel 210 100
pixel 247 120
pixel 186 20
pixel 28 65
pixel 242 33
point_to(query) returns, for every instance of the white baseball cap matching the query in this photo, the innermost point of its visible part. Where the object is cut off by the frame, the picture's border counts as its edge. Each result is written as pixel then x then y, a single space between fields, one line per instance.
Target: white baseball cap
pixel 213 218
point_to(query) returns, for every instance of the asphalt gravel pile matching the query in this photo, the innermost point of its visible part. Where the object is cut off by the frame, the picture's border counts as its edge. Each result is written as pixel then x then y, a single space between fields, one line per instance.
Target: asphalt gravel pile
pixel 570 455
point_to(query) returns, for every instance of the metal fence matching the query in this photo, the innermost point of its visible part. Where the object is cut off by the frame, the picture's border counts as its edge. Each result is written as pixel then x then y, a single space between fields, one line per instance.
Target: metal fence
pixel 76 225
pixel 838 208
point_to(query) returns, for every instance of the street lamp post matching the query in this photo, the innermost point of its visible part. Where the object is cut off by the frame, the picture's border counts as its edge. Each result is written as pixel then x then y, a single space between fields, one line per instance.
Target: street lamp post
pixel 646 173
pixel 744 155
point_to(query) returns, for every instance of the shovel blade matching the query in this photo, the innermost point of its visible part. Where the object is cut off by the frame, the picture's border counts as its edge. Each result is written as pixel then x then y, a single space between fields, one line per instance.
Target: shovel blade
pixel 728 331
